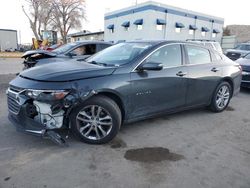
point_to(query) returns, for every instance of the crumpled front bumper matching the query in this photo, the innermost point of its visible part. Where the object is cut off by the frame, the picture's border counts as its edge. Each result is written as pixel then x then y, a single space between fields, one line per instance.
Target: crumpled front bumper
pixel 25 124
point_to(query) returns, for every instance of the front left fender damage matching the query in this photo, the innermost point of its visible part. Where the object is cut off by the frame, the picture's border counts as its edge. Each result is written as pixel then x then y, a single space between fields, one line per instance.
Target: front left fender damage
pixel 43 118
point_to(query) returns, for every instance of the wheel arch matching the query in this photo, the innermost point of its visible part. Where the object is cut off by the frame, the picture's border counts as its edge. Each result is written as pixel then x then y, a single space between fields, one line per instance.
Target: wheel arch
pixel 230 81
pixel 116 98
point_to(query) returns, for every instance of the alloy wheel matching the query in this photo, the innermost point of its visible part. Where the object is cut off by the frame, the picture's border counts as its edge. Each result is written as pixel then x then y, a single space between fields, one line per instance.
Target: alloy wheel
pixel 94 122
pixel 222 97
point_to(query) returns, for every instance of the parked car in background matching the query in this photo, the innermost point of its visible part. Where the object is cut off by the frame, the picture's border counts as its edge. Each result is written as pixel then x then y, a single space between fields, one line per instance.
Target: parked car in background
pixel 53 47
pixel 77 50
pixel 10 50
pixel 240 51
pixel 245 65
pixel 124 83
pixel 209 44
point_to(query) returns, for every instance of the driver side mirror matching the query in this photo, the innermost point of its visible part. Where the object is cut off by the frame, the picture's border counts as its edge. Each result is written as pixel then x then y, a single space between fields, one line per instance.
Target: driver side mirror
pixel 151 66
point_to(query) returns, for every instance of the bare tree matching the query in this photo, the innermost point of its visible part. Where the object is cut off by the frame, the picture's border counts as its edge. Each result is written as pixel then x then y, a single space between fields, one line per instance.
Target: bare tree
pixel 226 31
pixel 68 14
pixel 39 15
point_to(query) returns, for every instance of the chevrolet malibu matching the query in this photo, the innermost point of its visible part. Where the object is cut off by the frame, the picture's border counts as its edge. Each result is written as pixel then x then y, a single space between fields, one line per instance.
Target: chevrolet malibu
pixel 124 83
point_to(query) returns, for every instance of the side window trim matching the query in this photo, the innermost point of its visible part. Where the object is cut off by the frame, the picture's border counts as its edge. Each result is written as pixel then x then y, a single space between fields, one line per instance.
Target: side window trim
pixel 187 57
pixel 143 60
pixel 164 65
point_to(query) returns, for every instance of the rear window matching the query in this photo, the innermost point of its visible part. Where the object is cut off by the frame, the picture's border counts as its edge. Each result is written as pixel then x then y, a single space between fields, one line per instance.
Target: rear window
pixel 198 55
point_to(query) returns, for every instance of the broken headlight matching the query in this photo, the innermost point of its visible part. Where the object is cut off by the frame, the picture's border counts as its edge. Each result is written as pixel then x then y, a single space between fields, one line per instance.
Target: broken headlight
pixel 46 95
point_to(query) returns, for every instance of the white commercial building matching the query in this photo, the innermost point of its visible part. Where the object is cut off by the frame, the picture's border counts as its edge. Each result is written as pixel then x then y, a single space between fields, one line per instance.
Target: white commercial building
pixel 8 39
pixel 156 21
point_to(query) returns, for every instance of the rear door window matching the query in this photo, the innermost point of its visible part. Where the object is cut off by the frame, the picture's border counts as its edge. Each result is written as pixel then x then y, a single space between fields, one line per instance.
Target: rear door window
pixel 198 55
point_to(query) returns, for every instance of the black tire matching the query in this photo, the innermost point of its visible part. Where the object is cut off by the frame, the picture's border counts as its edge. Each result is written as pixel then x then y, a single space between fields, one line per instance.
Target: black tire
pixel 106 104
pixel 213 105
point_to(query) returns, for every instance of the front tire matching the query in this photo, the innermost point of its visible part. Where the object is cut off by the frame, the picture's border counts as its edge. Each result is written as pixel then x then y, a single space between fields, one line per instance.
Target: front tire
pixel 96 121
pixel 221 97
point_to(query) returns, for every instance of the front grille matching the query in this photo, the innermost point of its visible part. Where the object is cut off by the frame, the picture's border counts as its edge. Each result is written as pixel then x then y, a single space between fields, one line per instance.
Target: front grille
pixel 15 89
pixel 233 55
pixel 13 98
pixel 246 77
pixel 13 105
pixel 245 68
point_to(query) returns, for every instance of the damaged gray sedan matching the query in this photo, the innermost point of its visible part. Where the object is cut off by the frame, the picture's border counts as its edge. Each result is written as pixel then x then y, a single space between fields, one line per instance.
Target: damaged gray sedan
pixel 124 83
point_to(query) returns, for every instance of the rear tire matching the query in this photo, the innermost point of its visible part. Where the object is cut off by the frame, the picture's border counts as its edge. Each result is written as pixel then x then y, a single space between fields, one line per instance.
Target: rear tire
pixel 221 97
pixel 96 121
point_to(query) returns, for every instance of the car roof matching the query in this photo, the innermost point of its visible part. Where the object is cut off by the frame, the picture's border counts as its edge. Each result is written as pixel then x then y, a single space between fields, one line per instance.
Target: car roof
pixel 156 41
pixel 91 42
pixel 162 42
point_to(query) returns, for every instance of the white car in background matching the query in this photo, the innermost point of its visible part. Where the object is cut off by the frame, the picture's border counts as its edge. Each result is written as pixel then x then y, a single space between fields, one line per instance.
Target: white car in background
pixel 209 44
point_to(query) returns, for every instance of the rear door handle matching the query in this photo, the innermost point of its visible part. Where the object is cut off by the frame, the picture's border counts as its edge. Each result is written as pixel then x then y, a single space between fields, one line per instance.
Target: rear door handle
pixel 181 74
pixel 215 69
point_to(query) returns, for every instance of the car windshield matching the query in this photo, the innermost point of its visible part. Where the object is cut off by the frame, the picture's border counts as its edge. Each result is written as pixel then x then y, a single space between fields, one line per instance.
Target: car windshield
pixel 243 47
pixel 119 54
pixel 247 56
pixel 64 48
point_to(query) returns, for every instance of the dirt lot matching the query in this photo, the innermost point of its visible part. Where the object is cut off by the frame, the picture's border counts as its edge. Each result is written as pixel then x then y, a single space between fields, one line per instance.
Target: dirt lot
pixel 191 149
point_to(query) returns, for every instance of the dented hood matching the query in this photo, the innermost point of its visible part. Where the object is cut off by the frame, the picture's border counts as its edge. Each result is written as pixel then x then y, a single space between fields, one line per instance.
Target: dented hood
pixel 66 71
pixel 42 52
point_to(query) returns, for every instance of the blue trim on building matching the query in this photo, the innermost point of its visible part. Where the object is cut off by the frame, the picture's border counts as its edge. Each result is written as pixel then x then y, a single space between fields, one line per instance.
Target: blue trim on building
pixel 160 22
pixel 205 29
pixel 126 24
pixel 112 26
pixel 162 9
pixel 193 27
pixel 12 30
pixel 138 22
pixel 216 31
pixel 179 25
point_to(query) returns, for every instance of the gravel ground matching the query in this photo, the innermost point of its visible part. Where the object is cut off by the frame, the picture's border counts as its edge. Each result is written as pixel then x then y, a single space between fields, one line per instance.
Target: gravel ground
pixel 191 149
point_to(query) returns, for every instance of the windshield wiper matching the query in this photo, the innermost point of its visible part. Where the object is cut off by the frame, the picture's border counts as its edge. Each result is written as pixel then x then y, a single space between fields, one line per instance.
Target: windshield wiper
pixel 103 64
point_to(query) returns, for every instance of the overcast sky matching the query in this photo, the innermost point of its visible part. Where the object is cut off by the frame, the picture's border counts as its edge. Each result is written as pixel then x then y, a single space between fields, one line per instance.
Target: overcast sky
pixel 12 17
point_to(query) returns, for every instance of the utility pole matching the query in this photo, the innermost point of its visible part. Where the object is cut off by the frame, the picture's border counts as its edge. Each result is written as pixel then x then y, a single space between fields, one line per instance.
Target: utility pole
pixel 20 37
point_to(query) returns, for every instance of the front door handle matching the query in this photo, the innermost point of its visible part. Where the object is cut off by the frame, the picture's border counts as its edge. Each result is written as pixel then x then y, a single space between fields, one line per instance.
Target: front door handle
pixel 181 74
pixel 215 69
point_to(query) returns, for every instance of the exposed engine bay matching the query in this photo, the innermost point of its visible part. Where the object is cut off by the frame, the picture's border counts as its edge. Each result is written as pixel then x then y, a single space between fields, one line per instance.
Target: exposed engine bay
pixel 46 117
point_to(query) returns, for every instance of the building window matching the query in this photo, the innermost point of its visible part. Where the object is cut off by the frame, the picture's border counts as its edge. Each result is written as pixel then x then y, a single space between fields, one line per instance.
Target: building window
pixel 204 31
pixel 177 30
pixel 215 33
pixel 192 29
pixel 126 28
pixel 126 25
pixel 139 27
pixel 191 32
pixel 159 27
pixel 139 24
pixel 111 28
pixel 160 23
pixel 178 27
